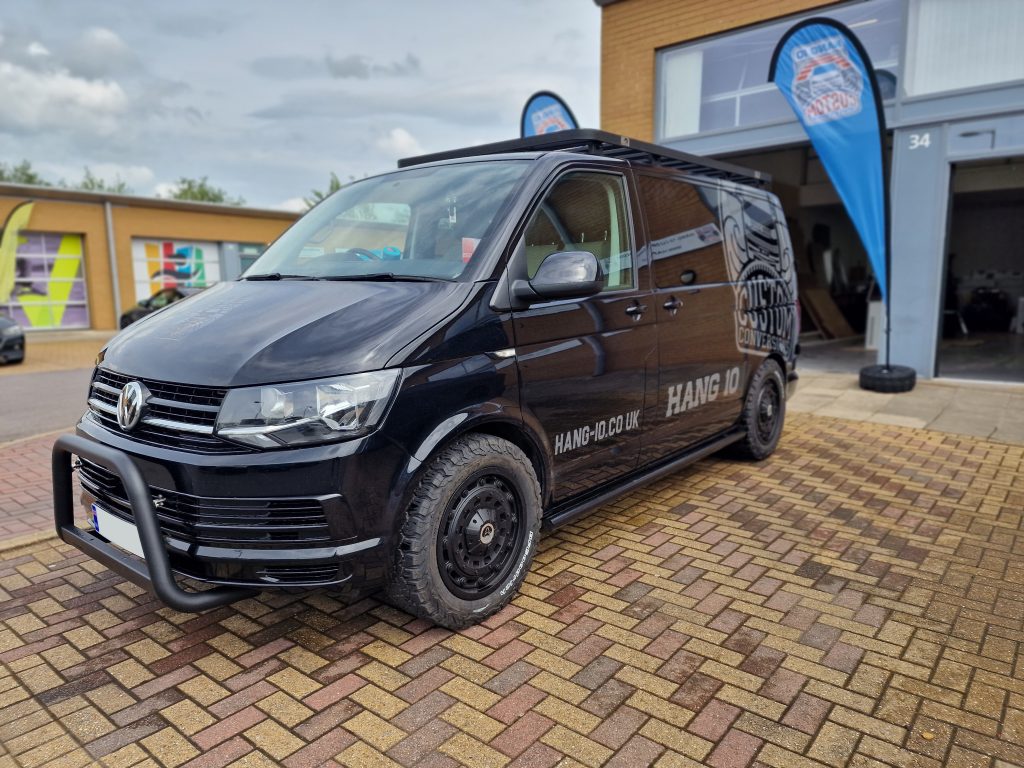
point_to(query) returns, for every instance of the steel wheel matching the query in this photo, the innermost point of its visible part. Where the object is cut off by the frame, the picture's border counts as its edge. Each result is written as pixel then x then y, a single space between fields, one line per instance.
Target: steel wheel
pixel 480 536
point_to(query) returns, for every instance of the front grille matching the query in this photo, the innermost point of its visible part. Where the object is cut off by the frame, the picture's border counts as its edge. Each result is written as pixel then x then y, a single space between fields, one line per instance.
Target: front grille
pixel 215 522
pixel 298 574
pixel 177 415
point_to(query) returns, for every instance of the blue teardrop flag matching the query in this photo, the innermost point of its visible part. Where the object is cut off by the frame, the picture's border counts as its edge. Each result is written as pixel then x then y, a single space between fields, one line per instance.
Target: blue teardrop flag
pixel 826 76
pixel 545 112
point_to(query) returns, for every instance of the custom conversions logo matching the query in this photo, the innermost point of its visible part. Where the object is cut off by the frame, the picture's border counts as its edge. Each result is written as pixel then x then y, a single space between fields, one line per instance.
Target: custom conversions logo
pixel 827 85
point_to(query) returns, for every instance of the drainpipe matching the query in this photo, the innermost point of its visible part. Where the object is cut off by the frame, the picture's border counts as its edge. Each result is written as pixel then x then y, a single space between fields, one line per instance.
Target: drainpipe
pixel 112 253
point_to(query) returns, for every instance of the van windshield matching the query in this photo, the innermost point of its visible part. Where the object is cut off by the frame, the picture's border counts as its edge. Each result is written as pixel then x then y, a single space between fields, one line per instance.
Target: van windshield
pixel 420 222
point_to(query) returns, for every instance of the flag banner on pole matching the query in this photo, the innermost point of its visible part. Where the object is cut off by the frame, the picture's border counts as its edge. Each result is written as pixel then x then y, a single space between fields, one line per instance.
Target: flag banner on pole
pixel 826 76
pixel 545 112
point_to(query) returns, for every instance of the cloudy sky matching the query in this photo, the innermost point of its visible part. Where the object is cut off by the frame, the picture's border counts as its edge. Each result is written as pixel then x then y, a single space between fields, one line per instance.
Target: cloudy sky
pixel 267 97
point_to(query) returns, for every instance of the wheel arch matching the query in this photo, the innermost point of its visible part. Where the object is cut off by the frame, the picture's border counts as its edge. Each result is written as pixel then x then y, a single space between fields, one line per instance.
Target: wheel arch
pixel 500 423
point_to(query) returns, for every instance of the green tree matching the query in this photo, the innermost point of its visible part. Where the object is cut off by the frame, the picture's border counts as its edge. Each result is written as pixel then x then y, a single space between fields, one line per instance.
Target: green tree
pixel 92 183
pixel 202 191
pixel 22 173
pixel 315 196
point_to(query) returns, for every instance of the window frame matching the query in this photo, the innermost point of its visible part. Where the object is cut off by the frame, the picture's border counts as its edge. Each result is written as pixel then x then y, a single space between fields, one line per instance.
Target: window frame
pixel 661 136
pixel 518 263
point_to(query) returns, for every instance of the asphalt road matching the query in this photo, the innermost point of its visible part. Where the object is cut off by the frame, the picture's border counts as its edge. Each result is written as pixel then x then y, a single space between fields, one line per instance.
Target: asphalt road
pixel 33 403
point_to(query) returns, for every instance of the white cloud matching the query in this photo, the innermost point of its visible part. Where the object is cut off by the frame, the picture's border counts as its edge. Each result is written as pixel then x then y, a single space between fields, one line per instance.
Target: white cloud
pixel 57 99
pixel 398 142
pixel 294 204
pixel 37 49
pixel 100 52
pixel 165 189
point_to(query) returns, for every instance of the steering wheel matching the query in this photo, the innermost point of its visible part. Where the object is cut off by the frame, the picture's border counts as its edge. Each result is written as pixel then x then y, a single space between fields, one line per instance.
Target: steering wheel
pixel 362 252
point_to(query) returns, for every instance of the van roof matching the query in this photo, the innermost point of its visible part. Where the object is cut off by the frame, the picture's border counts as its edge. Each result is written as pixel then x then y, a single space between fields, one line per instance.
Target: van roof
pixel 602 143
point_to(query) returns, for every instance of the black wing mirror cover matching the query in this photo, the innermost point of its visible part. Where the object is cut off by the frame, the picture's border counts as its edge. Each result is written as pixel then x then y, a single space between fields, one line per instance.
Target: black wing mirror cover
pixel 562 275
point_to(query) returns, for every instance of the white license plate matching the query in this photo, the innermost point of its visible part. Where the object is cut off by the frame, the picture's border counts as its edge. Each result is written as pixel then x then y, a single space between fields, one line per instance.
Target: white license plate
pixel 116 531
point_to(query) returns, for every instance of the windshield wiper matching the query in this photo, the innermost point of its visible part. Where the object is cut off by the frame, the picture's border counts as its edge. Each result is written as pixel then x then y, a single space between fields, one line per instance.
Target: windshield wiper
pixel 386 277
pixel 277 276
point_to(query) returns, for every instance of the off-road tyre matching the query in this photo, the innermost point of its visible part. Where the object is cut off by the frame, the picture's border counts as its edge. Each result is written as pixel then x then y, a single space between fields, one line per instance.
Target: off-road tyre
pixel 764 413
pixel 895 378
pixel 468 478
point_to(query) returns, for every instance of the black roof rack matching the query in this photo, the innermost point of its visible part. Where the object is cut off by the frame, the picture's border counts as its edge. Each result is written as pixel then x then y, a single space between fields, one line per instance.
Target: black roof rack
pixel 593 142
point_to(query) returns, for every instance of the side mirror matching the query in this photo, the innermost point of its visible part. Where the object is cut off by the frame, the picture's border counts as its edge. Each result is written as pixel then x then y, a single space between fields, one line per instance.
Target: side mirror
pixel 562 275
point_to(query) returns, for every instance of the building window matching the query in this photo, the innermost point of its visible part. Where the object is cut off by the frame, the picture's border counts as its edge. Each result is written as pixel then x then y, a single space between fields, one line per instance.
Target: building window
pixel 248 253
pixel 952 45
pixel 159 264
pixel 49 285
pixel 722 84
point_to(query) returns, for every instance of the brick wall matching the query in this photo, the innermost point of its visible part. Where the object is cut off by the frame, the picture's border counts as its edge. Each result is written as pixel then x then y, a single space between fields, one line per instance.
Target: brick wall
pixel 633 30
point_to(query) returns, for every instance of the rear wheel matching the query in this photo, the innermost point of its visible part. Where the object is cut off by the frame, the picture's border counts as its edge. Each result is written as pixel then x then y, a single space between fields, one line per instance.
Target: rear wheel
pixel 764 413
pixel 468 534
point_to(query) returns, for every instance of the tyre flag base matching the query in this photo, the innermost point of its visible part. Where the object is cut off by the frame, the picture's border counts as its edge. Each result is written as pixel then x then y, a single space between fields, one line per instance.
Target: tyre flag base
pixel 888 378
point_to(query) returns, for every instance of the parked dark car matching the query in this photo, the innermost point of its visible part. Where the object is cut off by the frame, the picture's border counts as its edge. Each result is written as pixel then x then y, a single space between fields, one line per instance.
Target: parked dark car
pixel 12 341
pixel 162 298
pixel 432 364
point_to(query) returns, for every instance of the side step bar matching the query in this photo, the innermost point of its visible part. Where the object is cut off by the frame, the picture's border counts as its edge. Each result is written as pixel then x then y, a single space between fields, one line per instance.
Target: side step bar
pixel 563 516
pixel 154 573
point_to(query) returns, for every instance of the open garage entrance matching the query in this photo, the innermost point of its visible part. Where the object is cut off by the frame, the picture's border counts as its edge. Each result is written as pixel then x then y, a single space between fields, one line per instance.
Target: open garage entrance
pixel 835 277
pixel 982 318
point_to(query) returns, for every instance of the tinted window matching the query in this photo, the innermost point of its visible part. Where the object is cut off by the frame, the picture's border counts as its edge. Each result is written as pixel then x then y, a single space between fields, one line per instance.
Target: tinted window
pixel 584 212
pixel 685 236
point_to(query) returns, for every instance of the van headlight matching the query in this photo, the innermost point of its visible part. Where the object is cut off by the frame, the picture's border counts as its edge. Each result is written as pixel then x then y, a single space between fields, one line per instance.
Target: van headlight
pixel 308 412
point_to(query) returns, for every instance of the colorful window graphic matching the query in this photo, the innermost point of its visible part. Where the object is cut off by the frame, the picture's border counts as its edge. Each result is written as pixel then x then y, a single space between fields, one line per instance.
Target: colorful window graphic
pixel 49 286
pixel 162 264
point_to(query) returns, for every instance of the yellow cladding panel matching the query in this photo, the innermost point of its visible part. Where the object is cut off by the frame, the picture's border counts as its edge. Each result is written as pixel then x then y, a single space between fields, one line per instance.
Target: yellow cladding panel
pixel 633 30
pixel 86 219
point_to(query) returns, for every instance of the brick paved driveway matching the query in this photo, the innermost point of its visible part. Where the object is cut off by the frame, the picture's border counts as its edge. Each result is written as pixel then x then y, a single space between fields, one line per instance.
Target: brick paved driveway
pixel 856 600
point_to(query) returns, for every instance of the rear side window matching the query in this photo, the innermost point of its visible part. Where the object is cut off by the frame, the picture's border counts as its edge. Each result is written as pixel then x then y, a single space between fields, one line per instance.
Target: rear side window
pixel 584 212
pixel 685 236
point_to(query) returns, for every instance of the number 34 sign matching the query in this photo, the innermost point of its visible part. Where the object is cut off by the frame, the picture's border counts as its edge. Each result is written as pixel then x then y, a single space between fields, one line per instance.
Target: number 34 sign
pixel 920 140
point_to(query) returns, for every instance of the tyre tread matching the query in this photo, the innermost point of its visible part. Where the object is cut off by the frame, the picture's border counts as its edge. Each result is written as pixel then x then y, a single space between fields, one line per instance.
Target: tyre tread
pixel 750 447
pixel 411 587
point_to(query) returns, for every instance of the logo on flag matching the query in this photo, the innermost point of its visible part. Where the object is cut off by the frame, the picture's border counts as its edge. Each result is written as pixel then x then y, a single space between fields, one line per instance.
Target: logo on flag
pixel 827 85
pixel 545 112
pixel 549 120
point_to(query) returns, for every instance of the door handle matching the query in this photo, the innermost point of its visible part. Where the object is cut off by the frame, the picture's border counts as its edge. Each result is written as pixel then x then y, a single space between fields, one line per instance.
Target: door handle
pixel 672 305
pixel 688 277
pixel 635 310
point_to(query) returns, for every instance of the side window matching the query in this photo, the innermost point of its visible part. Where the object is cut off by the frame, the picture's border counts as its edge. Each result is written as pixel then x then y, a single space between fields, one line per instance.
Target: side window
pixel 584 212
pixel 685 236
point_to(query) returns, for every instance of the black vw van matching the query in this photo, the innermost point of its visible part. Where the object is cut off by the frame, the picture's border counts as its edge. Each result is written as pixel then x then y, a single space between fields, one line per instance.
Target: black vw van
pixel 432 365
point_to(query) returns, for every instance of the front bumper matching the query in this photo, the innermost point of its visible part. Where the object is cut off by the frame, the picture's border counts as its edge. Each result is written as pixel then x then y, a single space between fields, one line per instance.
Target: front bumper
pixel 154 573
pixel 229 520
pixel 12 349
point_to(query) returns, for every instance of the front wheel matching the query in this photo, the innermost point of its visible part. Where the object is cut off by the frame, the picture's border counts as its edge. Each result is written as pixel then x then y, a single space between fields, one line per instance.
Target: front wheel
pixel 764 412
pixel 469 533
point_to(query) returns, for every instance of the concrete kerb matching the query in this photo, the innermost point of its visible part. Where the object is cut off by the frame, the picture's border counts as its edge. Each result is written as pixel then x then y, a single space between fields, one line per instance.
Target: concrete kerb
pixel 54 433
pixel 26 540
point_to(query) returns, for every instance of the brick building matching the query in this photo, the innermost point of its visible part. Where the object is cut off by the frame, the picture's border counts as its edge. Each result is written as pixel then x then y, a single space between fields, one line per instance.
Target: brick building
pixel 81 258
pixel 692 74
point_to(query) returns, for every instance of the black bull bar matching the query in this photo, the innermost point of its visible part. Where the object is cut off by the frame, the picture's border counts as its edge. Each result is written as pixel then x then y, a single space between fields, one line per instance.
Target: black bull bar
pixel 154 572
